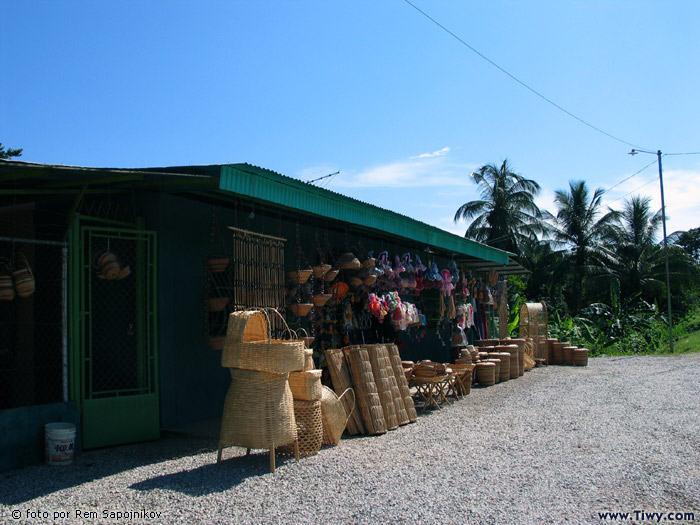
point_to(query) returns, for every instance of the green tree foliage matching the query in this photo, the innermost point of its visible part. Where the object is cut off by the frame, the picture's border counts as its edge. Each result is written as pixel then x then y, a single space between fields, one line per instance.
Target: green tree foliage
pixel 9 152
pixel 582 230
pixel 689 241
pixel 506 215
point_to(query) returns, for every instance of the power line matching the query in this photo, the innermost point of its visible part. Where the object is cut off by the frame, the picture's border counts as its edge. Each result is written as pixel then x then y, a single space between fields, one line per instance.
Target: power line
pixel 628 178
pixel 636 189
pixel 560 108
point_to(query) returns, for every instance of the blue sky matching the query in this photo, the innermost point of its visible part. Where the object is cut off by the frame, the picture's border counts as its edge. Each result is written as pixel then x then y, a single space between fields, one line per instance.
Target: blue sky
pixel 372 89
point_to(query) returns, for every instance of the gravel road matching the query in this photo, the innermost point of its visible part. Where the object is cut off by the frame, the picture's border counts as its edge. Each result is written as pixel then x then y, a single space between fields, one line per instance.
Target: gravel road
pixel 560 444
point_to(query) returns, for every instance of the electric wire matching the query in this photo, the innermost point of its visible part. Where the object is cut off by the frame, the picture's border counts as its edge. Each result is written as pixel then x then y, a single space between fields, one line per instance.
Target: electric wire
pixel 560 108
pixel 628 178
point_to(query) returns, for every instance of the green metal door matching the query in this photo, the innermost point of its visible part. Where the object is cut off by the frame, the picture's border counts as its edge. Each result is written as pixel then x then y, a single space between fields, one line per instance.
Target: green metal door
pixel 114 365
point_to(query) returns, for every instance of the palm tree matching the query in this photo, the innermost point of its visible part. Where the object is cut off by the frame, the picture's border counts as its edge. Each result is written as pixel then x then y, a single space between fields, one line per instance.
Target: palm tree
pixel 638 263
pixel 506 214
pixel 583 234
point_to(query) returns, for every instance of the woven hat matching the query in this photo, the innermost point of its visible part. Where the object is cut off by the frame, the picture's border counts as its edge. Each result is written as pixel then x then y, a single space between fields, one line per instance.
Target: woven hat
pixel 348 261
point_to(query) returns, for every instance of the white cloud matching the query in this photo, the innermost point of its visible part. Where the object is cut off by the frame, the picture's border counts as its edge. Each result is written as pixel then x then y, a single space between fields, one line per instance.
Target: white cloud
pixel 439 153
pixel 433 171
pixel 681 191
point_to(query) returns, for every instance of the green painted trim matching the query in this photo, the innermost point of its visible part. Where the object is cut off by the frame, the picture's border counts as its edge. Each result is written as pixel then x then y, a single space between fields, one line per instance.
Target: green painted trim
pixel 120 420
pixel 266 185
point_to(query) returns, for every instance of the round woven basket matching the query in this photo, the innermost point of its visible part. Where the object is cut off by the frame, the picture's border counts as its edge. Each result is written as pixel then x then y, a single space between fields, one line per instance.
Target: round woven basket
pixel 485 373
pixel 557 354
pixel 306 386
pixel 514 359
pixel 309 426
pixel 567 353
pixel 580 356
pixel 335 418
pixel 248 345
pixel 499 365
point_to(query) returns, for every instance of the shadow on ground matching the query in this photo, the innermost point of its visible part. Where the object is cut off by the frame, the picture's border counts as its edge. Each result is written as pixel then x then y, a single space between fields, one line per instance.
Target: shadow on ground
pixel 36 481
pixel 213 477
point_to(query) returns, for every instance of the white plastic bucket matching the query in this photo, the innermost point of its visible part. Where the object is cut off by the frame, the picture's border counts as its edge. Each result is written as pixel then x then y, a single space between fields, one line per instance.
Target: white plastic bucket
pixel 59 443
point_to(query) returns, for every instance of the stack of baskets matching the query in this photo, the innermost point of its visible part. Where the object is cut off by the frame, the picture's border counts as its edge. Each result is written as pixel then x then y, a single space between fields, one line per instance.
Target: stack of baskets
pixel 259 408
pixel 307 394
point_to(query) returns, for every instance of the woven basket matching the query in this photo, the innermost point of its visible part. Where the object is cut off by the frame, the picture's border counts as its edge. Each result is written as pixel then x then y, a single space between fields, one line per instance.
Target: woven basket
pixel 258 411
pixel 568 355
pixel 321 299
pixel 306 386
pixel 557 354
pixel 248 345
pixel 330 275
pixel 309 426
pixel 299 276
pixel 485 373
pixel 309 359
pixel 580 357
pixel 320 270
pixel 498 365
pixel 23 276
pixel 355 281
pixel 301 309
pixel 335 417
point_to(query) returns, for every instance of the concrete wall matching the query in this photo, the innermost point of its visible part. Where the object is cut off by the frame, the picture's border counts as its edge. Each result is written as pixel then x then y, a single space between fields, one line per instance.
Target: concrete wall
pixel 22 431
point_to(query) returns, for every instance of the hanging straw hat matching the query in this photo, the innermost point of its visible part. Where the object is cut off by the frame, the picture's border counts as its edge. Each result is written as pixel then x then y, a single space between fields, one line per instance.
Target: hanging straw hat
pixel 348 261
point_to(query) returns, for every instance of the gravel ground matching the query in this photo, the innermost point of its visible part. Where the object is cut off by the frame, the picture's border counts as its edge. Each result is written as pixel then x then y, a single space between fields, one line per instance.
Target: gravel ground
pixel 559 444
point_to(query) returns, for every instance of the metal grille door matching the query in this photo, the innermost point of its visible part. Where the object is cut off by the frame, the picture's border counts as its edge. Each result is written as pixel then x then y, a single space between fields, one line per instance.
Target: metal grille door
pixel 117 365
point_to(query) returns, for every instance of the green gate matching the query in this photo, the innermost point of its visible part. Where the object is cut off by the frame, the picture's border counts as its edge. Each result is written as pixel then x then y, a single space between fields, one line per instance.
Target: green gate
pixel 113 336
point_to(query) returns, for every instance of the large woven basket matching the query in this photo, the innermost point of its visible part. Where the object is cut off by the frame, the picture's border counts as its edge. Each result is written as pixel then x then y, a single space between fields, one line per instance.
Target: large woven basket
pixel 309 425
pixel 249 346
pixel 335 417
pixel 306 386
pixel 258 411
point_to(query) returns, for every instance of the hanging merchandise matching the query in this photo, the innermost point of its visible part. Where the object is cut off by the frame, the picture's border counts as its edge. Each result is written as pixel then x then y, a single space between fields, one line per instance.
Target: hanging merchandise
pixel 420 267
pixel 339 289
pixel 452 267
pixel 407 263
pixel 384 266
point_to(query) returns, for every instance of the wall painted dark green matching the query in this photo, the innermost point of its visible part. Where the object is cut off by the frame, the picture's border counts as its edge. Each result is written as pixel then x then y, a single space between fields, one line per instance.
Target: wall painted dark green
pixel 22 431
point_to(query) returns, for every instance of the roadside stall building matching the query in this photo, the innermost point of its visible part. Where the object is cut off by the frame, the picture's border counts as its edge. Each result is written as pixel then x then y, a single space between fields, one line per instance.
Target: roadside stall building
pixel 120 333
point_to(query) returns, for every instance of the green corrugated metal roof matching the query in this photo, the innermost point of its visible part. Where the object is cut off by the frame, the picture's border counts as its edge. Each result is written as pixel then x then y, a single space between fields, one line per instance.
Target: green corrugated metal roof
pixel 266 185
